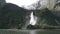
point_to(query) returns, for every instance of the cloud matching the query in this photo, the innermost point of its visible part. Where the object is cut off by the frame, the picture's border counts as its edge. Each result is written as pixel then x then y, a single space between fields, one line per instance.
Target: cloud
pixel 21 2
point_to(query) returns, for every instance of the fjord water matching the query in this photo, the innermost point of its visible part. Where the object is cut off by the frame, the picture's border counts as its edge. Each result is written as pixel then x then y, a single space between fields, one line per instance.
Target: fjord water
pixel 40 31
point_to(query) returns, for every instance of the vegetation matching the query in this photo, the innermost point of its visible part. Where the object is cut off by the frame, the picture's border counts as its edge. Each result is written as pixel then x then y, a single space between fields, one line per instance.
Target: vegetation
pixel 47 20
pixel 11 16
pixel 14 17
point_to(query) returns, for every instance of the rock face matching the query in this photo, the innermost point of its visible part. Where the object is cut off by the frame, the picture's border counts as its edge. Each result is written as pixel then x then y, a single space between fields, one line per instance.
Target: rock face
pixel 53 7
pixel 45 16
pixel 12 15
pixel 57 8
pixel 2 3
pixel 41 4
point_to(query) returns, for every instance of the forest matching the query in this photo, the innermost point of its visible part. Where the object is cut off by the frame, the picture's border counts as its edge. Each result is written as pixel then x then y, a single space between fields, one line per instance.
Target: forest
pixel 15 17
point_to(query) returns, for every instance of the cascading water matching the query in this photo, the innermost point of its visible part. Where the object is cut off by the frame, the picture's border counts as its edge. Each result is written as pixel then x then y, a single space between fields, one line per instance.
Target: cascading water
pixel 33 19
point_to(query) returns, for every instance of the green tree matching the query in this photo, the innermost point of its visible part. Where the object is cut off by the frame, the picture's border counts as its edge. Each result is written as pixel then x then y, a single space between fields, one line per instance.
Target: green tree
pixel 11 16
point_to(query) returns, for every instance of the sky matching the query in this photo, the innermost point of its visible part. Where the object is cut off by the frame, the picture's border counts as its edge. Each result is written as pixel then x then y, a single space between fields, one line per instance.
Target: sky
pixel 21 2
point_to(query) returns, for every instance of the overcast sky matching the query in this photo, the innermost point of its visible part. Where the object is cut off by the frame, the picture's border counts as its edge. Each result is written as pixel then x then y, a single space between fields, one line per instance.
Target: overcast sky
pixel 22 2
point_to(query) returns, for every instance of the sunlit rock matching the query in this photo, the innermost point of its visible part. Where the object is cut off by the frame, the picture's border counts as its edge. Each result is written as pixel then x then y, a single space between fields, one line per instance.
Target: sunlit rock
pixel 42 4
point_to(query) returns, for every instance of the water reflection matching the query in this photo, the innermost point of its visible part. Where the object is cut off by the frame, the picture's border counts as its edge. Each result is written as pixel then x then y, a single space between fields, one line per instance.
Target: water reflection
pixel 32 32
pixel 14 31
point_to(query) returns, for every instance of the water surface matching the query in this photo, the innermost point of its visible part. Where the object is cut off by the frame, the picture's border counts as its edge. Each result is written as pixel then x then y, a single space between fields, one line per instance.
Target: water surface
pixel 16 31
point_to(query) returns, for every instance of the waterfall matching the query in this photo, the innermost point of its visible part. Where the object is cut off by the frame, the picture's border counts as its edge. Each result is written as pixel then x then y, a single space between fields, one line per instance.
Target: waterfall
pixel 57 22
pixel 33 19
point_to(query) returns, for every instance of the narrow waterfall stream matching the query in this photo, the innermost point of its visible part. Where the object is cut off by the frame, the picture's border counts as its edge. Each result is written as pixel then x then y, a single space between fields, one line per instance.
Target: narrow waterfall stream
pixel 33 19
